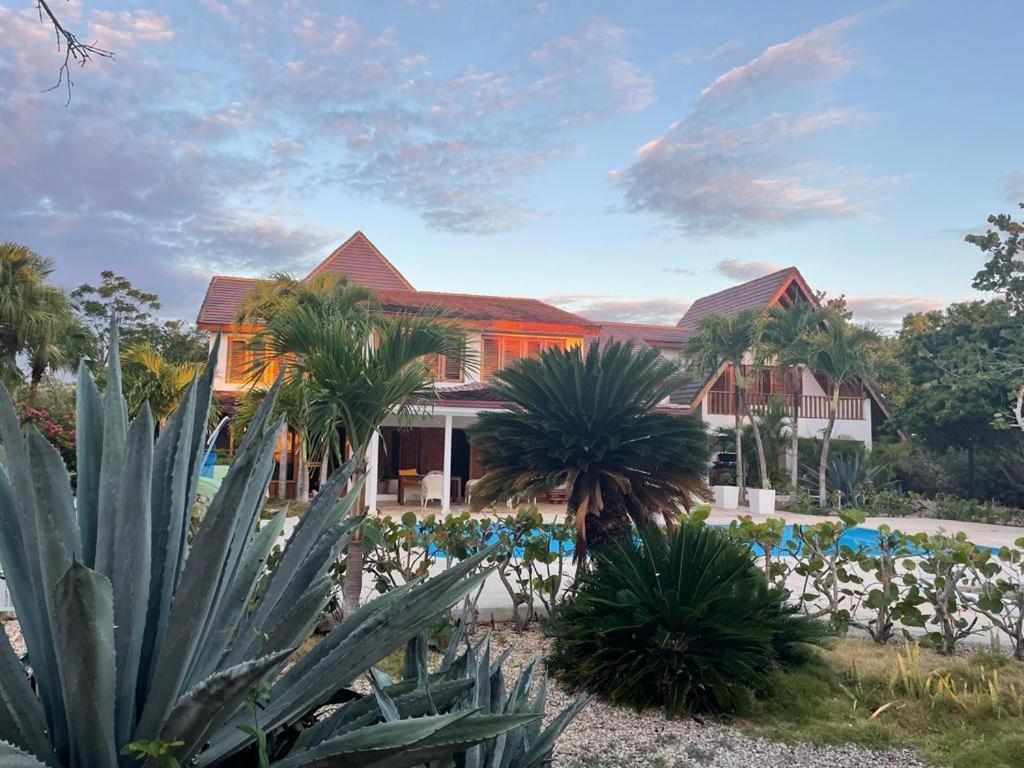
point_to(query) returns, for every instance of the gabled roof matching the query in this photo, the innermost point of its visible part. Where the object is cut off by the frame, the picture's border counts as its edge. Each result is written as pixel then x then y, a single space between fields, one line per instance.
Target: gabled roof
pixel 642 333
pixel 506 312
pixel 362 263
pixel 223 299
pixel 760 292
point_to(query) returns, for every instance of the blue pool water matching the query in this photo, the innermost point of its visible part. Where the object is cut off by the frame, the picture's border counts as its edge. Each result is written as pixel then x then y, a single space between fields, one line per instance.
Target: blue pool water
pixel 854 538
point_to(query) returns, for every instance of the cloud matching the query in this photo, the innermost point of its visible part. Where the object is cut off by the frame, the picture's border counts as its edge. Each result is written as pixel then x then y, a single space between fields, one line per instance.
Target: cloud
pixel 744 159
pixel 707 53
pixel 741 271
pixel 661 311
pixel 679 271
pixel 1013 186
pixel 171 162
pixel 886 312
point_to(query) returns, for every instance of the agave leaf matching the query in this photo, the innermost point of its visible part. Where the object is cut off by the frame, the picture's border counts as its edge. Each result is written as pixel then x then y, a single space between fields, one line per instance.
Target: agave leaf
pixel 131 568
pixel 201 577
pixel 298 623
pixel 451 740
pixel 84 628
pixel 170 506
pixel 225 627
pixel 411 702
pixel 384 702
pixel 353 646
pixel 22 722
pixel 115 432
pixel 204 708
pixel 373 744
pixel 540 750
pixel 12 757
pixel 89 459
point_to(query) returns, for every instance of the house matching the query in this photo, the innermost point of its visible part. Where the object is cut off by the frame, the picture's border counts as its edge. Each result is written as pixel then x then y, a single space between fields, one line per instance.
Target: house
pixel 861 409
pixel 501 329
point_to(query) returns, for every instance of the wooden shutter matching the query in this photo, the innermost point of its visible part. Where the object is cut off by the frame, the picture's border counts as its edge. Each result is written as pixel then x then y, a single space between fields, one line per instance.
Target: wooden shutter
pixel 452 369
pixel 433 363
pixel 534 347
pixel 511 350
pixel 237 360
pixel 490 360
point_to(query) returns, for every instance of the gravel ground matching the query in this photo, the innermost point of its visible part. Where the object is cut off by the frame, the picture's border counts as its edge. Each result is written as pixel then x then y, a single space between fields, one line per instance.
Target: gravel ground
pixel 603 736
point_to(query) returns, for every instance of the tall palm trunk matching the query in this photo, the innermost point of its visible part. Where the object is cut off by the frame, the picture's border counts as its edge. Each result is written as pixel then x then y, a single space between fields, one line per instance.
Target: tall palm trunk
pixel 301 473
pixel 738 417
pixel 826 438
pixel 762 463
pixel 794 448
pixel 33 387
pixel 323 466
pixel 352 589
pixel 282 467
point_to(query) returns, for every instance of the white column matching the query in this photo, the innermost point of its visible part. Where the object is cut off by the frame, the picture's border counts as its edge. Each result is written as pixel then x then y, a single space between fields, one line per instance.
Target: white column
pixel 446 491
pixel 371 473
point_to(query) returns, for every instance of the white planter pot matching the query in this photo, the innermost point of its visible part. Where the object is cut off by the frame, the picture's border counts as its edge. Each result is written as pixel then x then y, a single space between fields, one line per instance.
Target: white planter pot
pixel 727 496
pixel 762 501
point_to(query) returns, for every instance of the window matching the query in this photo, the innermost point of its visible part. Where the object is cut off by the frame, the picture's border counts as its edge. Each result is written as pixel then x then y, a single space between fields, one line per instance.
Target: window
pixel 444 368
pixel 500 351
pixel 240 363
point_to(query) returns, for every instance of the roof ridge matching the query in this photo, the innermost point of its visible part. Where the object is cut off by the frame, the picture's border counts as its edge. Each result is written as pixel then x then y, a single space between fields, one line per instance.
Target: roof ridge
pixel 638 325
pixel 746 282
pixel 358 235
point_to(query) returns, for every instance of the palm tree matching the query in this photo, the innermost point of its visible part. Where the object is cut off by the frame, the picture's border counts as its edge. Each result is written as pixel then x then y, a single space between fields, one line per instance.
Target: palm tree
pixel 729 339
pixel 61 343
pixel 29 306
pixel 359 366
pixel 590 424
pixel 151 378
pixel 841 352
pixel 786 338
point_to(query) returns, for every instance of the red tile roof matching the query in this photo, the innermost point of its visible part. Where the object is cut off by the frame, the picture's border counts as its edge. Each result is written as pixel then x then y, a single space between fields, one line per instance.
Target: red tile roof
pixel 753 293
pixel 223 299
pixel 642 333
pixel 360 260
pixel 530 314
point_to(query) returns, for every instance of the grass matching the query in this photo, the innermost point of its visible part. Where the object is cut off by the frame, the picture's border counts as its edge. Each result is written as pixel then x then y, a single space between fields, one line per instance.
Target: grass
pixel 959 712
pixel 292 508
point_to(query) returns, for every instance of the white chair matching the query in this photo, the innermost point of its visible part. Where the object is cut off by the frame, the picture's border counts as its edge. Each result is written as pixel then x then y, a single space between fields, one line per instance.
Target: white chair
pixel 432 488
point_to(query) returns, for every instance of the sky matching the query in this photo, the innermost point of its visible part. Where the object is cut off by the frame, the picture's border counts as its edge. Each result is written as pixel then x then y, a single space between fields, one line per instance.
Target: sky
pixel 617 159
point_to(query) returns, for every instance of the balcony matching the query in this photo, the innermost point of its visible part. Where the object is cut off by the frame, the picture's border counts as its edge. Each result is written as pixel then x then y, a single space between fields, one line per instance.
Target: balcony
pixel 811 406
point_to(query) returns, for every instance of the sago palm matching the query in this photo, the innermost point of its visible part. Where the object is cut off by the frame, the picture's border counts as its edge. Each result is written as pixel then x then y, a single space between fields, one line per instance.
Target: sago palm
pixel 729 339
pixel 590 423
pixel 786 339
pixel 841 352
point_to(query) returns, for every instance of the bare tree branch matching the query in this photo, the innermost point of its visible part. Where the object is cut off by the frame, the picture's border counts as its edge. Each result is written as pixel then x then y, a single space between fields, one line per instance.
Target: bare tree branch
pixel 75 51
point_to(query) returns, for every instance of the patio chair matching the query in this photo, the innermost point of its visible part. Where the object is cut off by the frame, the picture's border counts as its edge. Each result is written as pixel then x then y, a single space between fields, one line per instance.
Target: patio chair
pixel 432 489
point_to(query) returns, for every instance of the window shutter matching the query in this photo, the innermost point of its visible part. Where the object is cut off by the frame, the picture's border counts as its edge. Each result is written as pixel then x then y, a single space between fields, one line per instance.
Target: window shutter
pixel 534 347
pixel 236 360
pixel 490 359
pixel 452 369
pixel 433 363
pixel 512 349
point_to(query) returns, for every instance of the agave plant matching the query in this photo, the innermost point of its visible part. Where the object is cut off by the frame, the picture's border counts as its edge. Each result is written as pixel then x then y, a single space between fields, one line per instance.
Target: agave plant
pixel 137 636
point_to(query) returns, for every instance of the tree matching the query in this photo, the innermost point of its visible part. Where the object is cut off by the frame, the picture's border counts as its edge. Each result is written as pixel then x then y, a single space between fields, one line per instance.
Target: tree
pixel 358 367
pixel 74 50
pixel 59 346
pixel 1003 273
pixel 151 378
pixel 174 340
pixel 787 335
pixel 840 352
pixel 589 423
pixel 29 305
pixel 730 339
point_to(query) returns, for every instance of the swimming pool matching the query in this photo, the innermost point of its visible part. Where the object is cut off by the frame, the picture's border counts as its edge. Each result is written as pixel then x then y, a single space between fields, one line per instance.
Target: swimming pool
pixel 854 538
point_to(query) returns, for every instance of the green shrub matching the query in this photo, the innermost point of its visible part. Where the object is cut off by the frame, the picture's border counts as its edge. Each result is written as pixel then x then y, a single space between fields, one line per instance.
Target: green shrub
pixel 145 640
pixel 684 621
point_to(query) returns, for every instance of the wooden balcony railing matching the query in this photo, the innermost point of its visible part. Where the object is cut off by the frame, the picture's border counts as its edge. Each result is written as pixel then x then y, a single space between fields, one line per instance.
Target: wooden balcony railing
pixel 811 406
